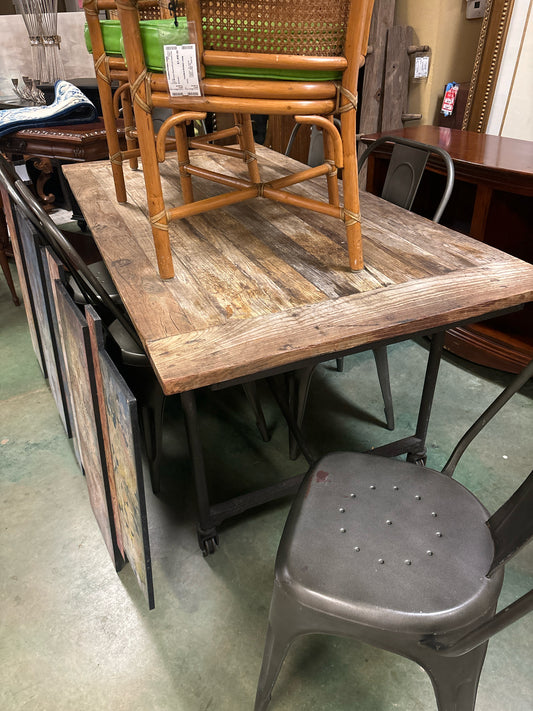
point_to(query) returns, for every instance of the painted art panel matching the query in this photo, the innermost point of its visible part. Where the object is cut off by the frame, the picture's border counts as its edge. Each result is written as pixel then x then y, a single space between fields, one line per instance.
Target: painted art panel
pixel 25 263
pixel 44 313
pixel 122 441
pixel 76 349
pixel 55 270
pixel 9 213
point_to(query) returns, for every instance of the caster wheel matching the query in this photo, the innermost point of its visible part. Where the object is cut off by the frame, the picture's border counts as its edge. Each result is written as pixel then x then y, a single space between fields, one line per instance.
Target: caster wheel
pixel 418 459
pixel 209 546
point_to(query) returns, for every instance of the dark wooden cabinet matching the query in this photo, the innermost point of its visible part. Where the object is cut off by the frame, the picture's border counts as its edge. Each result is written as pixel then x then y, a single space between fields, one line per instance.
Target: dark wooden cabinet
pixel 492 201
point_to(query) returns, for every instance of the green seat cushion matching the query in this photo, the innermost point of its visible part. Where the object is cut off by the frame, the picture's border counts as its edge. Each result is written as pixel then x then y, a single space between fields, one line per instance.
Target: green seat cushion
pixel 111 34
pixel 155 34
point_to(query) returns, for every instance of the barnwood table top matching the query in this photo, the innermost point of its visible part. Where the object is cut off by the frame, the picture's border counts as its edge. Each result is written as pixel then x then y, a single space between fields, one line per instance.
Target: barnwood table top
pixel 261 285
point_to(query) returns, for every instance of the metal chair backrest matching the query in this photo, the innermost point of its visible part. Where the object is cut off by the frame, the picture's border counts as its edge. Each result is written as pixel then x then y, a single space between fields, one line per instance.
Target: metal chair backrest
pixel 512 524
pixel 404 173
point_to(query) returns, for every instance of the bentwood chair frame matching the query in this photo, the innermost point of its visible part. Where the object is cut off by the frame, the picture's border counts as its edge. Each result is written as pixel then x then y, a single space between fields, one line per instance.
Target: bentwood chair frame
pixel 311 102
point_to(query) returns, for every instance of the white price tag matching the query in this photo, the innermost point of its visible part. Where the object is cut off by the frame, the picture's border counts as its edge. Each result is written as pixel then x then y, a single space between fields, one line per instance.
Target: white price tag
pixel 421 67
pixel 182 70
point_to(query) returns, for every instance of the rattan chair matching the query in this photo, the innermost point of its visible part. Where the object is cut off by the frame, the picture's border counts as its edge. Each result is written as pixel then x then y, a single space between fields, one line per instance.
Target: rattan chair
pixel 400 557
pixel 113 86
pixel 287 57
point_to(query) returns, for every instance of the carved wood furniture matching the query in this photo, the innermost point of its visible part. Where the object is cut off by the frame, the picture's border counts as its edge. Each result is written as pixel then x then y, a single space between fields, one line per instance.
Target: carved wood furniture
pixel 265 288
pixel 51 146
pixel 291 57
pixel 492 202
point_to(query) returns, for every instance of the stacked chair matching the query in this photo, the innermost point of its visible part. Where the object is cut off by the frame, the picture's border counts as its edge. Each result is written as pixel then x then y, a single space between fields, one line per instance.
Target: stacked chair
pixel 289 57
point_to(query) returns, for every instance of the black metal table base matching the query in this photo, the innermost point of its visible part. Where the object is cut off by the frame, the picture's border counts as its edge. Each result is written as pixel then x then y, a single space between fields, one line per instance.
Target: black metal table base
pixel 212 515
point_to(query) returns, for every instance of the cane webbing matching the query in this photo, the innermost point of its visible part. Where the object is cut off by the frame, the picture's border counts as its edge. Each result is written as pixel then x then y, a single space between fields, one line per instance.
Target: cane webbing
pixel 305 27
pixel 154 10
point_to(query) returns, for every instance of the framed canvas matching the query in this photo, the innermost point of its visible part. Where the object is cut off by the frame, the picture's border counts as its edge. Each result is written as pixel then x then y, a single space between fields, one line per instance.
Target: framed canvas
pixel 76 347
pixel 9 213
pixel 55 270
pixel 44 314
pixel 24 268
pixel 122 443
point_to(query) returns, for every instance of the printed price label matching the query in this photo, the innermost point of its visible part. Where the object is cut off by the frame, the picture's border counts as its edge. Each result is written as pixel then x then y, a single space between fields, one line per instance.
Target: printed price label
pixel 182 70
pixel 421 67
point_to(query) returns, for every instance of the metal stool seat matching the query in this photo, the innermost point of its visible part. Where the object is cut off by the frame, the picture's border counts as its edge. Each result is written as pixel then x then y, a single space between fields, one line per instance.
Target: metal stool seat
pixel 387 535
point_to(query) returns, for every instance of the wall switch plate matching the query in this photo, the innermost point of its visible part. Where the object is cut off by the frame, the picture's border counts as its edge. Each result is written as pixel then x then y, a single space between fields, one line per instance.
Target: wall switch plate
pixel 475 9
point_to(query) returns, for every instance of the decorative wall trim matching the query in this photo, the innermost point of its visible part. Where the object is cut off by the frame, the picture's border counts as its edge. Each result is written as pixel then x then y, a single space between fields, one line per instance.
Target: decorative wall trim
pixel 487 64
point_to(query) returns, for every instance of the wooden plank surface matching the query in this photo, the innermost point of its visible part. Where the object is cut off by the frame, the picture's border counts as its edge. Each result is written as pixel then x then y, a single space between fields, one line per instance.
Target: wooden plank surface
pixel 260 284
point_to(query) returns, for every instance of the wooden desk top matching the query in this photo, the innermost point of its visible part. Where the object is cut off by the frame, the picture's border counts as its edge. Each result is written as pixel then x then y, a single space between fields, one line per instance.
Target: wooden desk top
pixel 260 285
pixel 508 162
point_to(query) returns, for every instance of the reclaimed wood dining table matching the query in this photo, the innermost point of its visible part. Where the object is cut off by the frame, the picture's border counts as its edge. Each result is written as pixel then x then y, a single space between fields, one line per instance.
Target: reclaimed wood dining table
pixel 262 288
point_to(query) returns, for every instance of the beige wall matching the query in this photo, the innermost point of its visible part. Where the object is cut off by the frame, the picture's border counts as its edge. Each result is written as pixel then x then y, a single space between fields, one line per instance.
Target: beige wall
pixel 453 39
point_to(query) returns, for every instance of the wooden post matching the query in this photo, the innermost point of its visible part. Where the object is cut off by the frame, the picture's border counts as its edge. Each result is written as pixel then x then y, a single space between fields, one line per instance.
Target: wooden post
pixel 106 96
pixel 395 89
pixel 372 94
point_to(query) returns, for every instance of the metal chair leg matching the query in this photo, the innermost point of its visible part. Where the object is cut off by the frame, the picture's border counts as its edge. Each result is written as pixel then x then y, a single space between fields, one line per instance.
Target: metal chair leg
pixel 428 393
pixel 152 424
pixel 280 634
pixel 382 366
pixel 250 390
pixel 455 679
pixel 299 392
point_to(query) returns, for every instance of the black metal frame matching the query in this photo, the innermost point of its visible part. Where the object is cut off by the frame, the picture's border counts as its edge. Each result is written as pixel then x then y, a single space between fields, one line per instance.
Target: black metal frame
pixel 210 516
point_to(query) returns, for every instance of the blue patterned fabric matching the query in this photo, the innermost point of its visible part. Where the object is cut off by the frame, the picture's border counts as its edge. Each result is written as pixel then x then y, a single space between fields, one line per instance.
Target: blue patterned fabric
pixel 70 106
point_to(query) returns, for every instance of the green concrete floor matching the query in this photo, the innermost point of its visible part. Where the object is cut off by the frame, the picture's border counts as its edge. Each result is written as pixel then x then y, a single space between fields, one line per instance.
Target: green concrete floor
pixel 76 636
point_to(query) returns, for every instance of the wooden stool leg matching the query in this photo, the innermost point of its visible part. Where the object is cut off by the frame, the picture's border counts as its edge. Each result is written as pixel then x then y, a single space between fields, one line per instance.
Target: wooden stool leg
pixel 332 179
pixel 154 193
pixel 351 192
pixel 129 124
pixel 140 95
pixel 106 99
pixel 115 155
pixel 247 143
pixel 182 149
